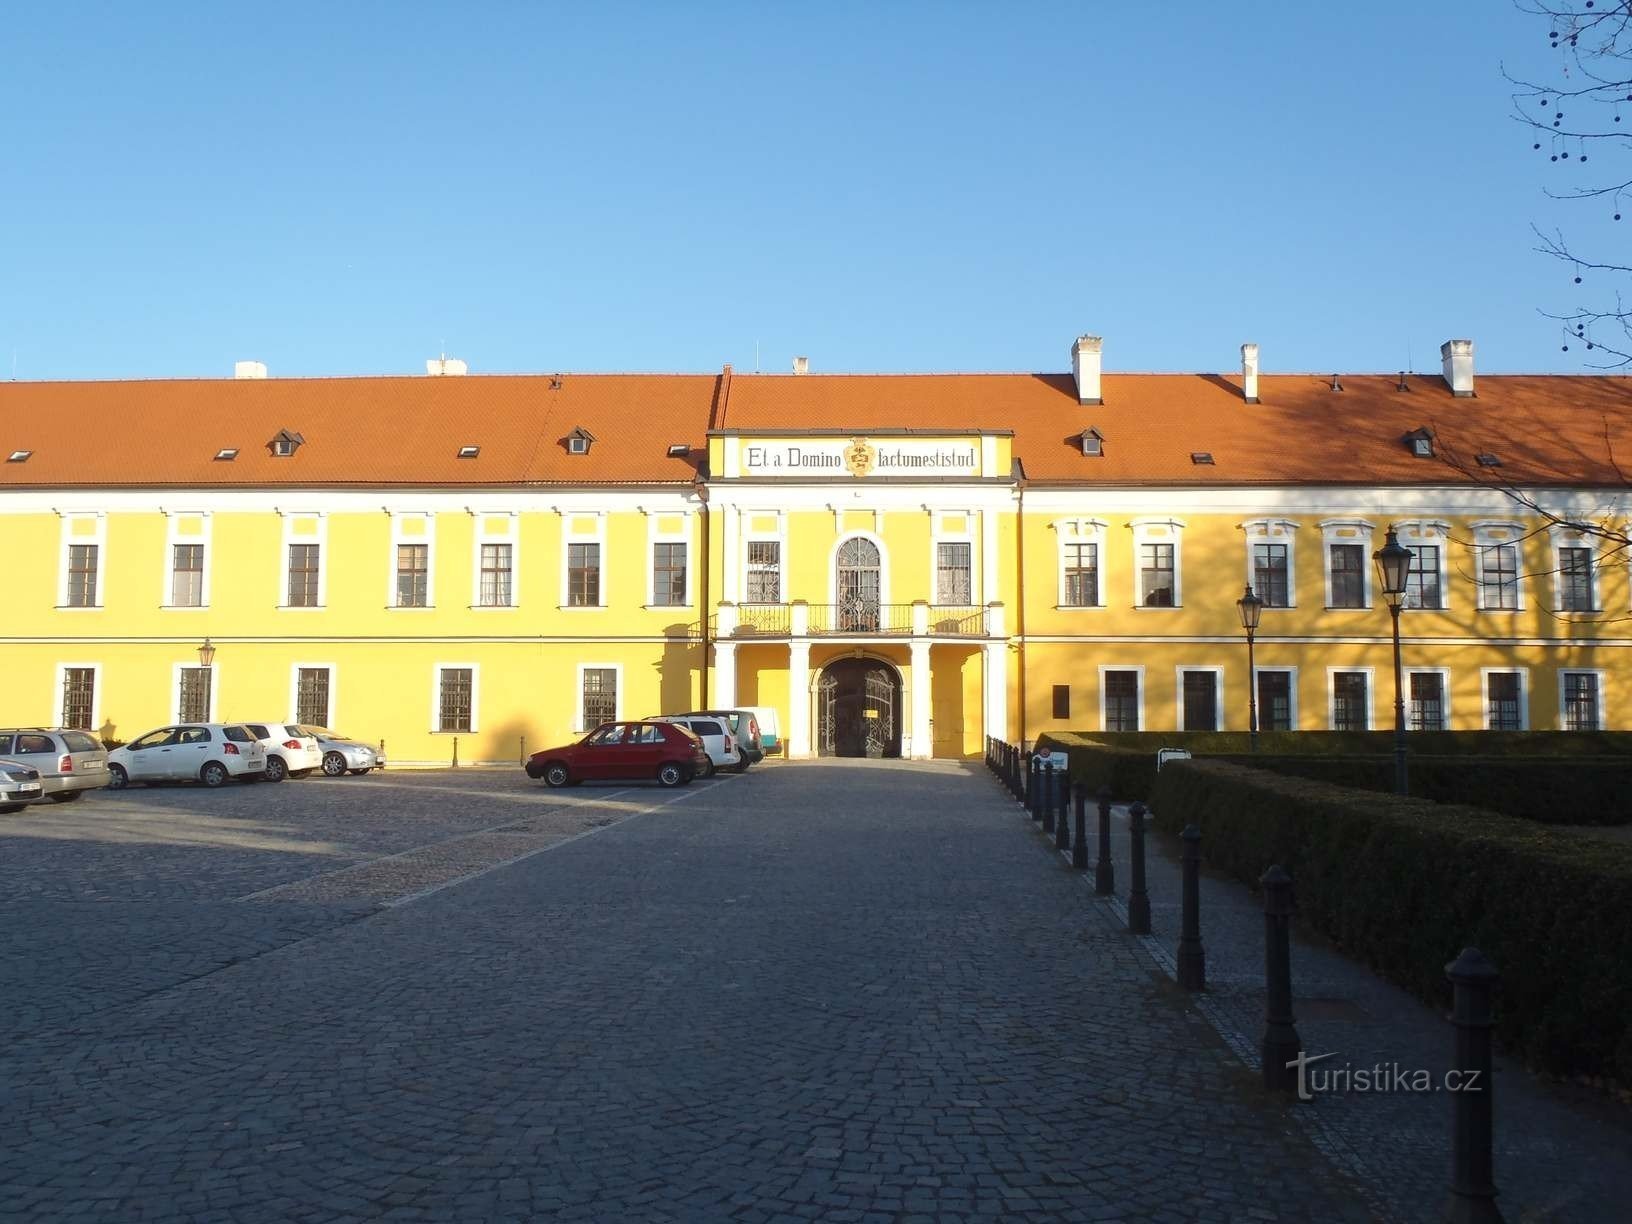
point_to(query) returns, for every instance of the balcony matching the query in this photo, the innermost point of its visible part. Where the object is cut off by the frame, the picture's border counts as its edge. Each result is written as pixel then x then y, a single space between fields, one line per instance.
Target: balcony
pixel 856 618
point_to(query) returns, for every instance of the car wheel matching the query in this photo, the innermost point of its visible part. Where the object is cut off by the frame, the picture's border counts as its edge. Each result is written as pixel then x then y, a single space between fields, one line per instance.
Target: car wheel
pixel 706 769
pixel 672 774
pixel 64 796
pixel 213 774
pixel 556 774
pixel 118 779
pixel 741 766
pixel 334 764
pixel 277 769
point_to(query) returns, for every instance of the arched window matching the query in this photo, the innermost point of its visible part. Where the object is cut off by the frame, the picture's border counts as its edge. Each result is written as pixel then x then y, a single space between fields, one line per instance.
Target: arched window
pixel 858 585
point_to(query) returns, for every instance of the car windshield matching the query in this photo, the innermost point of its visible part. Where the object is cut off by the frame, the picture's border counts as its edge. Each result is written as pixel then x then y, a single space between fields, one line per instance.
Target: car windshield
pixel 321 733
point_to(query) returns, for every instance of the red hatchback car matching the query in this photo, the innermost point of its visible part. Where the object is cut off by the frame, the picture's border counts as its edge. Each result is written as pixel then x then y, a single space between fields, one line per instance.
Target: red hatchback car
pixel 628 751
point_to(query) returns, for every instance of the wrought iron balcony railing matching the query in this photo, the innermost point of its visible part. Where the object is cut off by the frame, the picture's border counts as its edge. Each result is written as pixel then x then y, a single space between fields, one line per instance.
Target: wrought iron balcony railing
pixel 850 618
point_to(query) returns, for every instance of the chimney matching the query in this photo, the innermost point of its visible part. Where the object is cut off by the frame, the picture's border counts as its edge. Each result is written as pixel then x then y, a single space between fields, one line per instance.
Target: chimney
pixel 1456 358
pixel 1085 361
pixel 1249 373
pixel 452 367
pixel 801 365
pixel 249 369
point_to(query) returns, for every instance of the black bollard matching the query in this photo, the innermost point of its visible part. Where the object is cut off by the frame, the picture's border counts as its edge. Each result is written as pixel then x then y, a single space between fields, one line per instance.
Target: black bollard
pixel 1079 847
pixel 1034 792
pixel 1192 958
pixel 1062 813
pixel 1014 770
pixel 1105 869
pixel 1138 898
pixel 1472 1197
pixel 1050 780
pixel 1281 1044
pixel 456 752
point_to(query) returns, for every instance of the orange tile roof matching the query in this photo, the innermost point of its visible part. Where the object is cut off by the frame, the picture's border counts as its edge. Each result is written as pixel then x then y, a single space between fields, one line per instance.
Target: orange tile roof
pixel 406 431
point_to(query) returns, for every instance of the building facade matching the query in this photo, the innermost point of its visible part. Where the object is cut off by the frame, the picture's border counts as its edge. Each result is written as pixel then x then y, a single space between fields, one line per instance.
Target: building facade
pixel 480 566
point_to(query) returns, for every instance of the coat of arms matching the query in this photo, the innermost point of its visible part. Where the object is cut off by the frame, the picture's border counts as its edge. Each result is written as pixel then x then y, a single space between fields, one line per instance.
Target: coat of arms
pixel 859 457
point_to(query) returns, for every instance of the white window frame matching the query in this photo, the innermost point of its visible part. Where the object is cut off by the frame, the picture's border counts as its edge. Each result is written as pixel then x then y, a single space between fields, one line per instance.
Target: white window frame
pixel 1179 671
pixel 1133 667
pixel 483 532
pixel 1292 693
pixel 654 537
pixel 1142 529
pixel 55 718
pixel 1493 533
pixel 779 537
pixel 1087 531
pixel 321 539
pixel 1371 695
pixel 173 536
pixel 399 521
pixel 1560 539
pixel 1432 533
pixel 578 694
pixel 1361 532
pixel 294 691
pixel 1603 693
pixel 175 691
pixel 940 533
pixel 100 539
pixel 437 669
pixel 569 537
pixel 1444 674
pixel 1274 531
pixel 1523 673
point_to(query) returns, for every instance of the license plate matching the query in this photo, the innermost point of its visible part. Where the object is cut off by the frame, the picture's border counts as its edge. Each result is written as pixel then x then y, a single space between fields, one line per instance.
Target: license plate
pixel 29 788
pixel 91 766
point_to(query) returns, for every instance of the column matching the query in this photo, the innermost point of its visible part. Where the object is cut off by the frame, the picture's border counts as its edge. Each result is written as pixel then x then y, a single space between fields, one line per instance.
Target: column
pixel 799 700
pixel 922 747
pixel 997 689
pixel 725 675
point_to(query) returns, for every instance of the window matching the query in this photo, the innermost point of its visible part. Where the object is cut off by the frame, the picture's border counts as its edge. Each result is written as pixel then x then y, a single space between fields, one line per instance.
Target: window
pixel 1581 701
pixel 600 695
pixel 1156 585
pixel 669 575
pixel 1426 710
pixel 1082 575
pixel 1199 694
pixel 82 572
pixel 494 591
pixel 193 699
pixel 583 575
pixel 764 571
pixel 1351 704
pixel 1062 701
pixel 187 576
pixel 1275 701
pixel 79 697
pixel 1499 577
pixel 1422 579
pixel 1504 711
pixel 1575 580
pixel 312 696
pixel 1121 700
pixel 953 581
pixel 413 577
pixel 454 711
pixel 1271 575
pixel 303 575
pixel 1348 576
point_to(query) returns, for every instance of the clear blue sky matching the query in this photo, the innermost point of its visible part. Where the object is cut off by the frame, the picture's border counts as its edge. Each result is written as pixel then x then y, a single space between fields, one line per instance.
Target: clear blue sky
pixel 350 188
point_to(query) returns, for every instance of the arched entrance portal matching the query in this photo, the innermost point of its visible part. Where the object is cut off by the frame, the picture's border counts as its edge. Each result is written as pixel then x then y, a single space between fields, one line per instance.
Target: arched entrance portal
pixel 858 709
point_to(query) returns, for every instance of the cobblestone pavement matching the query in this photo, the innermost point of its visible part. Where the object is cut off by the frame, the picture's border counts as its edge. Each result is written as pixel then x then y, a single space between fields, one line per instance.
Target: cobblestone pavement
pixel 838 992
pixel 1561 1151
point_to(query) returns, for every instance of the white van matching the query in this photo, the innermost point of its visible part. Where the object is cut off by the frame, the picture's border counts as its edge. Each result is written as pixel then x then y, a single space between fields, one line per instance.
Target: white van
pixel 770 731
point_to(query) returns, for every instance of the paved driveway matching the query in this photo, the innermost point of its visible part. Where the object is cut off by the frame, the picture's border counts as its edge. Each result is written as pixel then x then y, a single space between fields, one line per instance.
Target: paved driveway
pixel 839 992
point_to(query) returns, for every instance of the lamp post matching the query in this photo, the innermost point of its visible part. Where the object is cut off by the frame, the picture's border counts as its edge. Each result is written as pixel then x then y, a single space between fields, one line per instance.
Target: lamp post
pixel 1393 565
pixel 1251 608
pixel 206 659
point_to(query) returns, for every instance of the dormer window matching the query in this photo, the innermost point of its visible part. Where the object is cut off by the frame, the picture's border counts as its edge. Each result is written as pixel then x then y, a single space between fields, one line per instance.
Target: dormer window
pixel 1093 443
pixel 1421 443
pixel 18 456
pixel 226 454
pixel 284 443
pixel 1202 458
pixel 1487 460
pixel 579 441
pixel 469 452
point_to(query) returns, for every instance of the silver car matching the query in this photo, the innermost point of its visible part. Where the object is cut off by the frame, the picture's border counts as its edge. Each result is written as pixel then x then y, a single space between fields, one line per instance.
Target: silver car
pixel 342 755
pixel 19 786
pixel 70 762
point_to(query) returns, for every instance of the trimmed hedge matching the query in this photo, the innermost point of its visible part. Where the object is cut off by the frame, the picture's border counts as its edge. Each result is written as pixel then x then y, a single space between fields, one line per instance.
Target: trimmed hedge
pixel 1405 884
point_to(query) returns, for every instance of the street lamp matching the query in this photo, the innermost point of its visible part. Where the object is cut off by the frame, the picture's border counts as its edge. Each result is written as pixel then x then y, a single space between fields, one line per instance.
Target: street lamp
pixel 1393 565
pixel 1251 608
pixel 206 654
pixel 206 657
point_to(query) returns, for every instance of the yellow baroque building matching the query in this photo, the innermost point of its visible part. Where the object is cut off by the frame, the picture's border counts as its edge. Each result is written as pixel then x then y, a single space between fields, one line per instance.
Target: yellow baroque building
pixel 474 567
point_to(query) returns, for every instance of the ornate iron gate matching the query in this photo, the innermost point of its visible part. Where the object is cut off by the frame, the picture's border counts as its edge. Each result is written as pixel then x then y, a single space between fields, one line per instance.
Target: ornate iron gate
pixel 857 704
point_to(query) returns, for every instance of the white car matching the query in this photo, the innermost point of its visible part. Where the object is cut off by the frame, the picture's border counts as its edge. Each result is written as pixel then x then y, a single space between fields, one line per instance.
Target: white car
pixel 210 753
pixel 19 786
pixel 291 752
pixel 721 746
